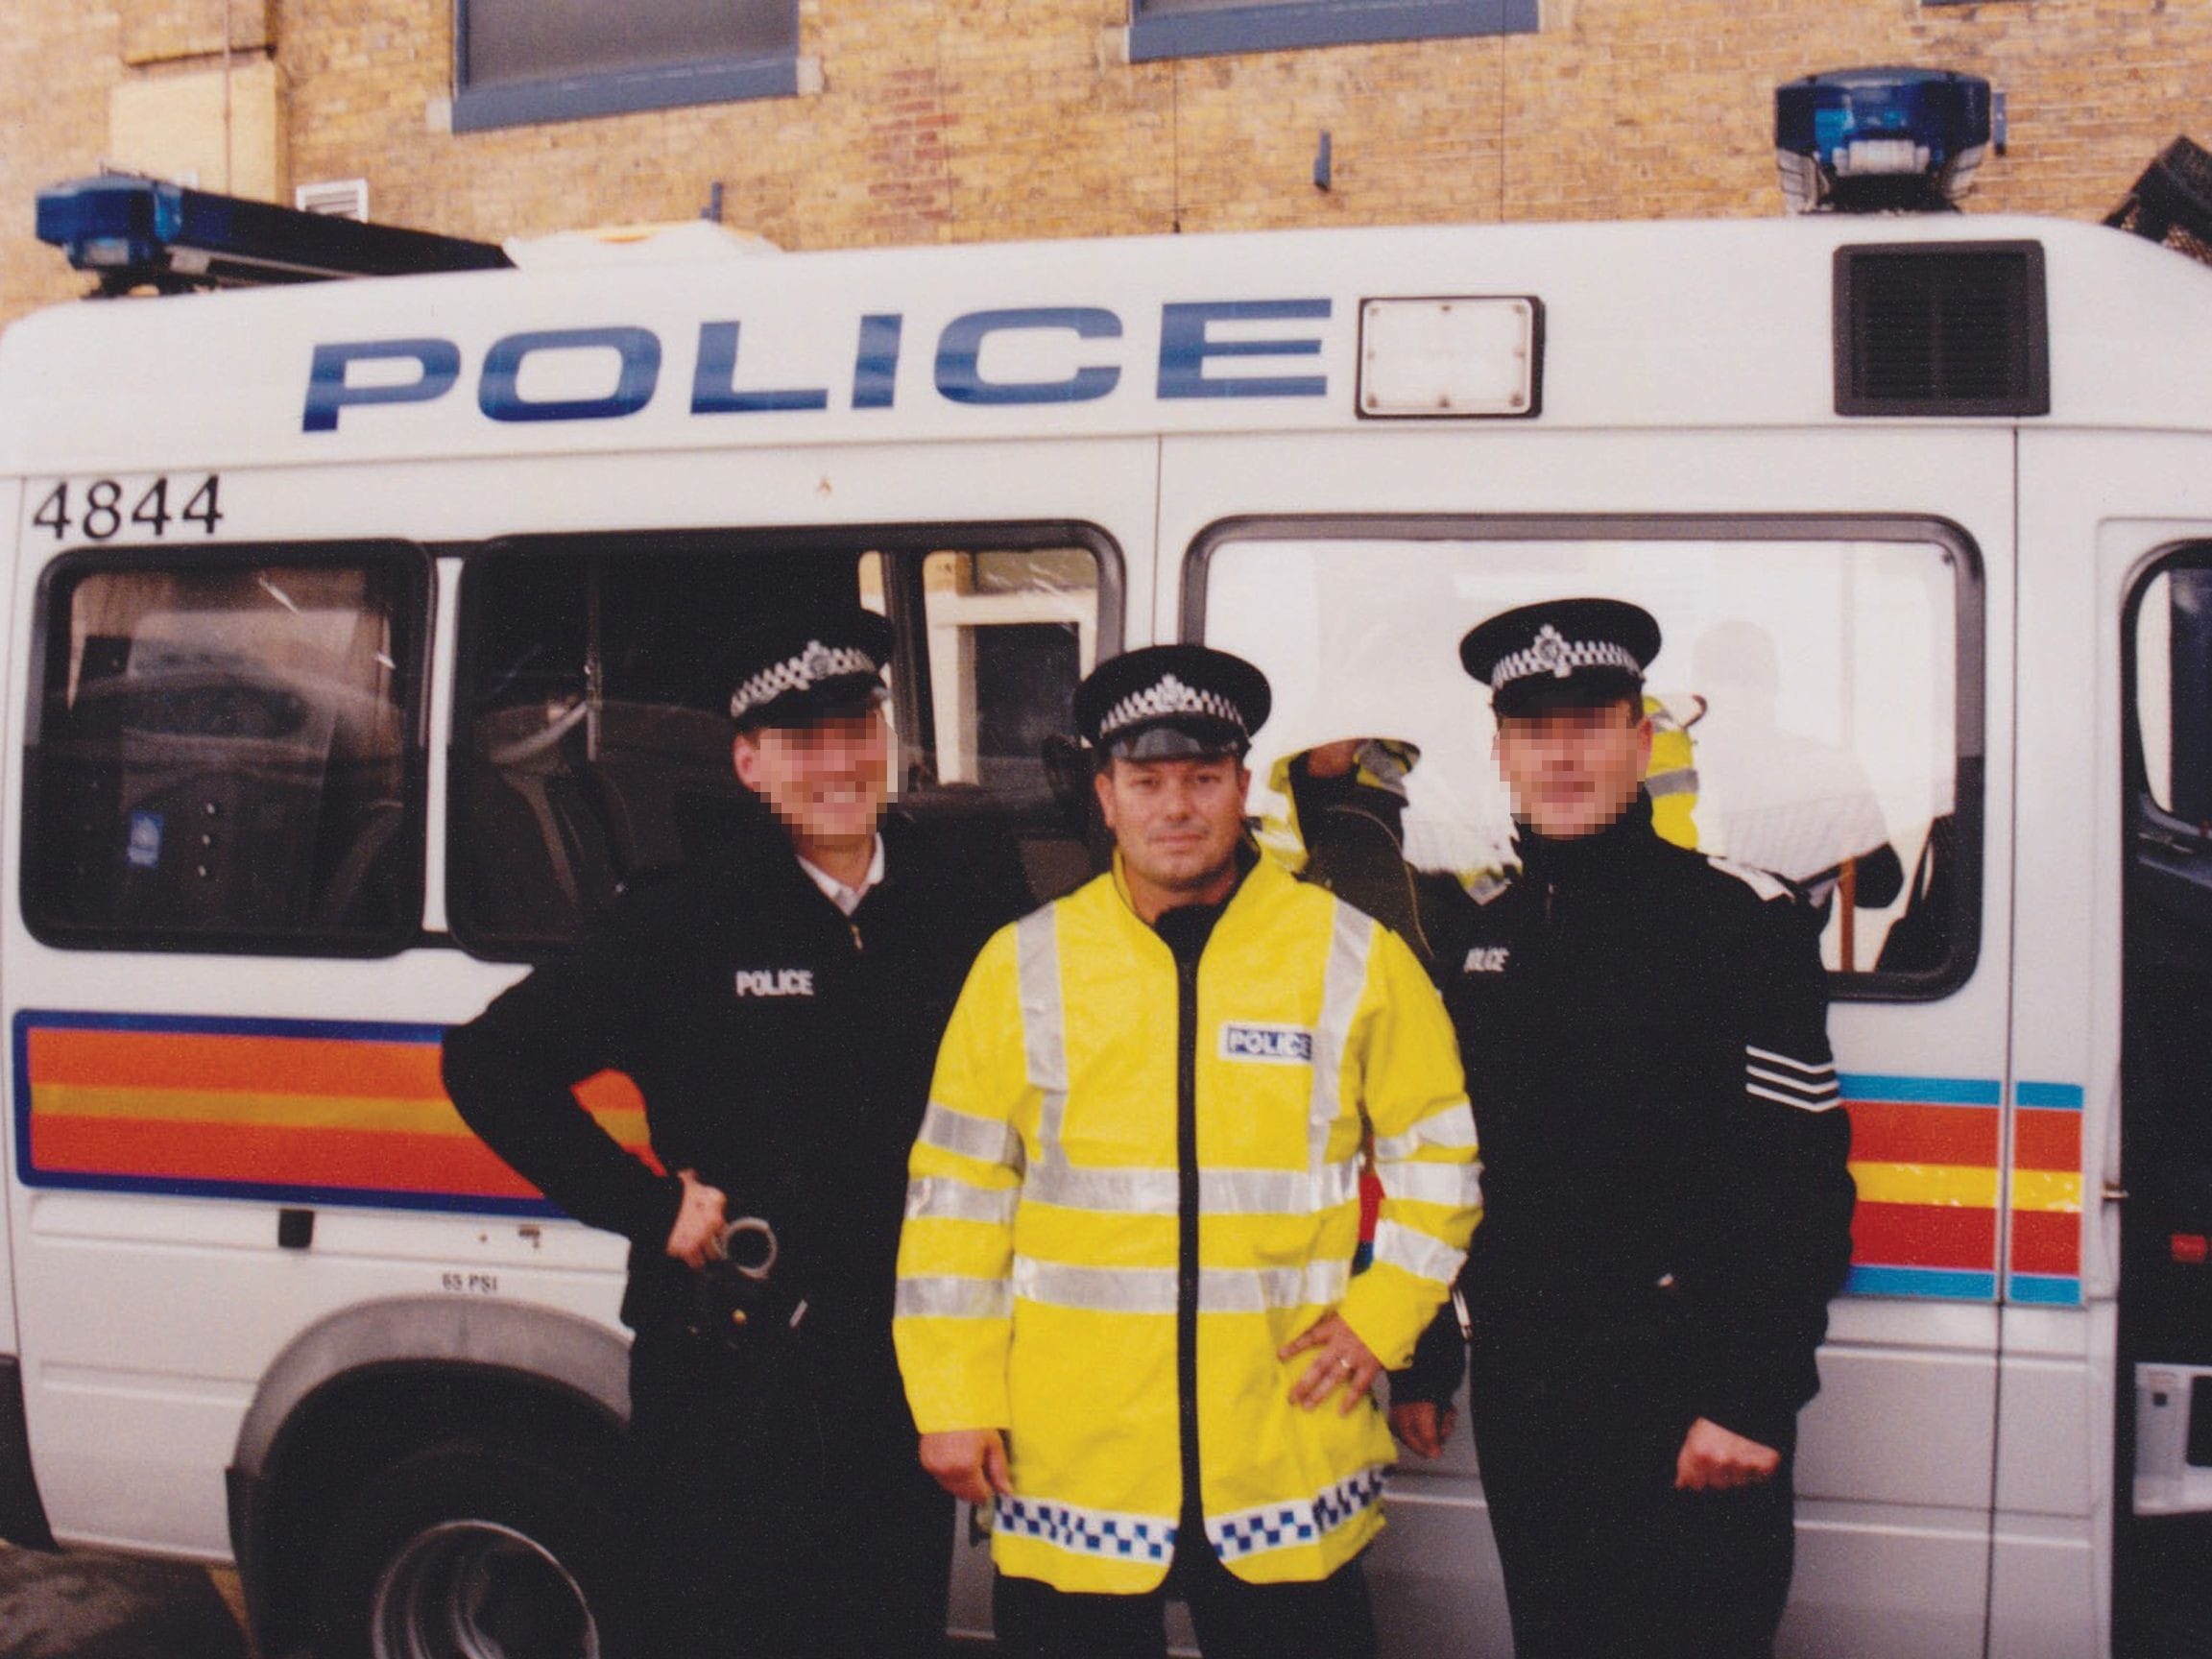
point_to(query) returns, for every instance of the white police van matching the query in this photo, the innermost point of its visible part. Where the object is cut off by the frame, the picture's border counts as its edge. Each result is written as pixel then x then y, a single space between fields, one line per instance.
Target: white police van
pixel 360 638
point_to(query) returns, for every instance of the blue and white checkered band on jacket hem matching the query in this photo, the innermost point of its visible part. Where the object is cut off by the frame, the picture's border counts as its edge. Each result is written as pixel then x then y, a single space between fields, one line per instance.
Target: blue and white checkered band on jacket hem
pixel 1552 653
pixel 1085 1531
pixel 811 666
pixel 1166 697
pixel 1284 1526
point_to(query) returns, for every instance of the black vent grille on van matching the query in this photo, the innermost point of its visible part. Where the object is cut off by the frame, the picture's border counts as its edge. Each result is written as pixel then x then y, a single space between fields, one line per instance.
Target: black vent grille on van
pixel 1951 329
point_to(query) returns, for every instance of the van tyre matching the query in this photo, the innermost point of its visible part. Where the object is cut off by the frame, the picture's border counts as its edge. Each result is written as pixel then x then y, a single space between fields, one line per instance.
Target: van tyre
pixel 476 1548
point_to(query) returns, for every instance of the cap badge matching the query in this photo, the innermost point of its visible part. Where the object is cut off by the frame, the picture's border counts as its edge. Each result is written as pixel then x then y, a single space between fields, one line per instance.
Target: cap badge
pixel 1549 652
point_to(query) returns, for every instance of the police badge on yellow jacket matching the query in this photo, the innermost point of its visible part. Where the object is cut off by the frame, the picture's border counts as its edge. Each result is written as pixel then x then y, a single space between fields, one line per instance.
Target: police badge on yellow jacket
pixel 1038 1272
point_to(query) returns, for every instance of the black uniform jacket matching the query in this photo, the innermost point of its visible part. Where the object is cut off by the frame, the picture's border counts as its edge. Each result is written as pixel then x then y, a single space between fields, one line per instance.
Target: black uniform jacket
pixel 1663 1180
pixel 783 1052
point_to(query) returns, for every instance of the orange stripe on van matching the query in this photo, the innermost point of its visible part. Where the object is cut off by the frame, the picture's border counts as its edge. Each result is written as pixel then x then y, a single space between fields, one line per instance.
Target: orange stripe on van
pixel 205 1061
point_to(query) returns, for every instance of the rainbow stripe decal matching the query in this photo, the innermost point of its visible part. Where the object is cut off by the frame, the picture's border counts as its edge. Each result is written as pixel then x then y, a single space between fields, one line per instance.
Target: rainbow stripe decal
pixel 313 1111
pixel 295 1111
pixel 1927 1155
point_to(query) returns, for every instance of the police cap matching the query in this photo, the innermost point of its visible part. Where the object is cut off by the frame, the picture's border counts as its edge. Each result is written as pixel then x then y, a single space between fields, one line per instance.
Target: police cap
pixel 1172 702
pixel 794 667
pixel 1560 653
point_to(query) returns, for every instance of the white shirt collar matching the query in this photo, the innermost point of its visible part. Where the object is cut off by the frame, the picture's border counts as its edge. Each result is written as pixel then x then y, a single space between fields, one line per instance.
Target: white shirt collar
pixel 846 899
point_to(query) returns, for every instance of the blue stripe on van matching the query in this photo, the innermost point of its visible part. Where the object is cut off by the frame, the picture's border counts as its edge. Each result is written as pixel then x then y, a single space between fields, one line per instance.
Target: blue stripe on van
pixel 1939 1282
pixel 2048 1289
pixel 1924 1090
pixel 2051 1096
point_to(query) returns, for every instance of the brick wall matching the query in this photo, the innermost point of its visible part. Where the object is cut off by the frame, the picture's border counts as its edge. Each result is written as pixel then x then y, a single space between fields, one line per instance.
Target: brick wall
pixel 937 120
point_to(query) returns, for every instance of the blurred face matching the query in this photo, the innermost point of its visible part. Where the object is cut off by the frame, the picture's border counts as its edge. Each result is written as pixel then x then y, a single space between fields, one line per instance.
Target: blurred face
pixel 1178 824
pixel 1573 771
pixel 824 780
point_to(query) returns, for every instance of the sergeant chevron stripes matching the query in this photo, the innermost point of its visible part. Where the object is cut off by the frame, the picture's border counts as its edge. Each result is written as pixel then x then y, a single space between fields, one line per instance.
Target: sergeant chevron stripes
pixel 1772 1076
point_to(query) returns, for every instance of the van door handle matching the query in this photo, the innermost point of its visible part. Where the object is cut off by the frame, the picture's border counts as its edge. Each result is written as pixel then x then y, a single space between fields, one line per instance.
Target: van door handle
pixel 2113 1193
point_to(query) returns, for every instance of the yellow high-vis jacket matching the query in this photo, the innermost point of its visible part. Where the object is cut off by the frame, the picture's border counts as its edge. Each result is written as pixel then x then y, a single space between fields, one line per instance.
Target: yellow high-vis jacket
pixel 1042 1267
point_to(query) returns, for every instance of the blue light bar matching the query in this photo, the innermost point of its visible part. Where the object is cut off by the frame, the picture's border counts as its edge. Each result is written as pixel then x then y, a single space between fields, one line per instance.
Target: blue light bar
pixel 139 232
pixel 1867 140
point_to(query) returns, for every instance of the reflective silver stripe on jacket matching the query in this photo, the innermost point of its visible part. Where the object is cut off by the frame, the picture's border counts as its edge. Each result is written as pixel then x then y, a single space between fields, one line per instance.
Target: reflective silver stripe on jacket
pixel 1450 1129
pixel 1297 1520
pixel 965 1135
pixel 1152 1289
pixel 1418 1254
pixel 947 1198
pixel 1342 981
pixel 1043 1023
pixel 1220 1192
pixel 950 1298
pixel 1456 1185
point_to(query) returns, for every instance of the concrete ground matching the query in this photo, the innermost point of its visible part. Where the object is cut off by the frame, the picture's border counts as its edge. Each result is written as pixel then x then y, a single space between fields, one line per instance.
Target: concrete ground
pixel 84 1604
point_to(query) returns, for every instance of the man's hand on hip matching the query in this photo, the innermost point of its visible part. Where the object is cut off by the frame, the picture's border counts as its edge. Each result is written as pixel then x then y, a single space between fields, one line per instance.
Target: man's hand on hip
pixel 969 1463
pixel 698 1231
pixel 1716 1459
pixel 1345 1361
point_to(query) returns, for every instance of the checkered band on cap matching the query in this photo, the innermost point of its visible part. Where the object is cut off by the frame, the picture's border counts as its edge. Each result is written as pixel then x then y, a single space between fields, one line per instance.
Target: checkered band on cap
pixel 1164 699
pixel 809 668
pixel 1552 653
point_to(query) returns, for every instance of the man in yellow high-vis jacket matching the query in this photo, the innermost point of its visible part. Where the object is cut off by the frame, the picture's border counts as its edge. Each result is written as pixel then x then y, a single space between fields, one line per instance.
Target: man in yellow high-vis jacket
pixel 1127 1315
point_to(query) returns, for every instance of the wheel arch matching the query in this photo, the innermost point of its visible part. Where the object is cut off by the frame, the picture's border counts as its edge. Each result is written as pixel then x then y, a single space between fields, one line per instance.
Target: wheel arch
pixel 366 1384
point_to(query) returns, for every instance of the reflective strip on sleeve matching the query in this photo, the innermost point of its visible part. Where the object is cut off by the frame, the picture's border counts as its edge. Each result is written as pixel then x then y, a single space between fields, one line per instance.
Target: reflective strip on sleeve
pixel 1418 1254
pixel 968 1136
pixel 1296 1521
pixel 1343 983
pixel 943 1198
pixel 947 1298
pixel 1454 1186
pixel 1448 1130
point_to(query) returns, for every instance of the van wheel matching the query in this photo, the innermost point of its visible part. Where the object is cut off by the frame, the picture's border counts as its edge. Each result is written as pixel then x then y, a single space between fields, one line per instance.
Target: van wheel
pixel 476 1550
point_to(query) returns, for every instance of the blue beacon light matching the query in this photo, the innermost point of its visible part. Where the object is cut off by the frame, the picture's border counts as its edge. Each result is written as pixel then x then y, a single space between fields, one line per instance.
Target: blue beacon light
pixel 1880 140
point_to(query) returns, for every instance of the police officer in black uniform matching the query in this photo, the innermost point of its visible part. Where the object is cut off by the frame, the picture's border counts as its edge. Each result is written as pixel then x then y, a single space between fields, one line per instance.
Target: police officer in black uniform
pixel 779 1010
pixel 1668 1204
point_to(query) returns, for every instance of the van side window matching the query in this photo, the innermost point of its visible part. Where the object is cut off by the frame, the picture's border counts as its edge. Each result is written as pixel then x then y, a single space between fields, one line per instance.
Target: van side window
pixel 592 736
pixel 224 756
pixel 1813 705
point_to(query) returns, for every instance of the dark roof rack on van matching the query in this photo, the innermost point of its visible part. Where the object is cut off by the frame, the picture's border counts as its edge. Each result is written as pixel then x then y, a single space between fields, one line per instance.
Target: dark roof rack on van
pixel 2172 201
pixel 135 232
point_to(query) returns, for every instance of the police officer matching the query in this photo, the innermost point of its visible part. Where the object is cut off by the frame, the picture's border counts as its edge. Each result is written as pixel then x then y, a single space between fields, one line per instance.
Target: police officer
pixel 1669 1210
pixel 778 1009
pixel 1126 1315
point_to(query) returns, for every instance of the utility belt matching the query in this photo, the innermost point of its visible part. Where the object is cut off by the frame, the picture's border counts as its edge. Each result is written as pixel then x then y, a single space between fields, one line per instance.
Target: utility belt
pixel 736 1301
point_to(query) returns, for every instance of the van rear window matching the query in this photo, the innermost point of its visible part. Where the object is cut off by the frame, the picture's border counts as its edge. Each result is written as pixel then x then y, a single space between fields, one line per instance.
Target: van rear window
pixel 1814 703
pixel 223 755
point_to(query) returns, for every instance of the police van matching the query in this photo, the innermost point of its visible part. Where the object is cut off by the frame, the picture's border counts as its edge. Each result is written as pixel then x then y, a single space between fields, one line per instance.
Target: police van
pixel 359 640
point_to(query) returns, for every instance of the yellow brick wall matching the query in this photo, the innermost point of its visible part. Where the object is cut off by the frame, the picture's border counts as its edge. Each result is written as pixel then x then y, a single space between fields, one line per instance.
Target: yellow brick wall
pixel 973 120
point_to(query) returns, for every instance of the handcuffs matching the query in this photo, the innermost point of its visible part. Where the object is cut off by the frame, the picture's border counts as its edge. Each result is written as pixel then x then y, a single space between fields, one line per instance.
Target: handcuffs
pixel 735 1299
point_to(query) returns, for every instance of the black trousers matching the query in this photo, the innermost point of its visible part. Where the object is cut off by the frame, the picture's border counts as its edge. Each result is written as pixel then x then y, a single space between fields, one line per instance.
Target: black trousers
pixel 781 1511
pixel 1602 1557
pixel 1328 1619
